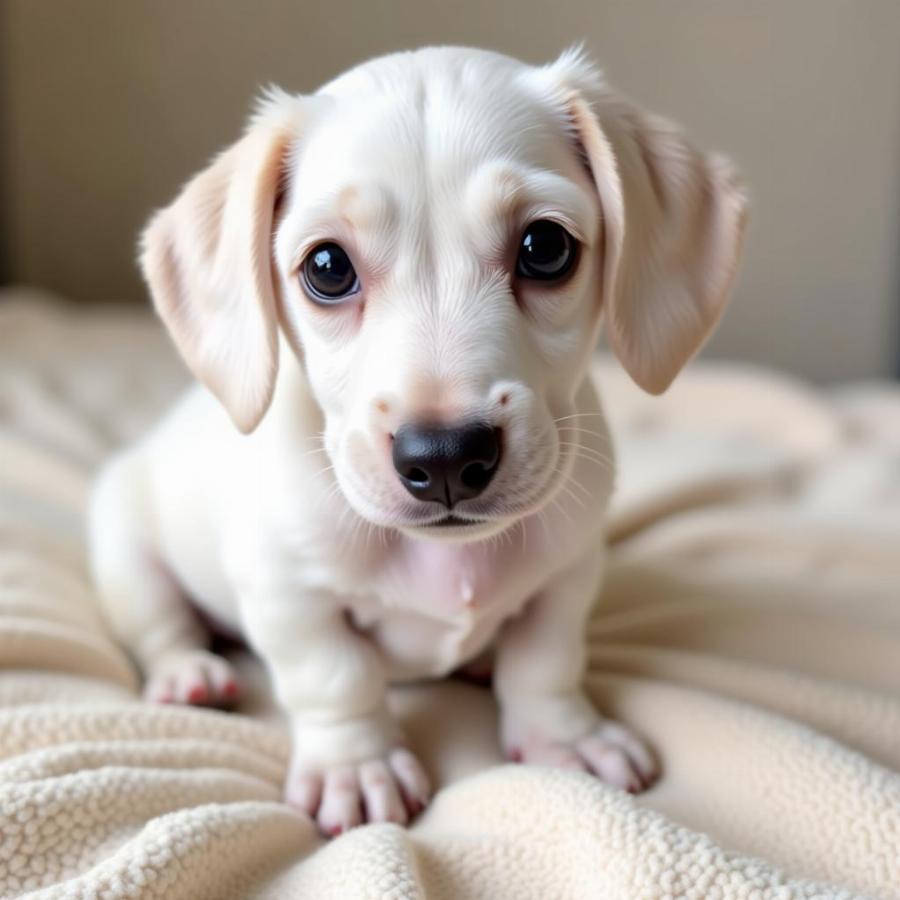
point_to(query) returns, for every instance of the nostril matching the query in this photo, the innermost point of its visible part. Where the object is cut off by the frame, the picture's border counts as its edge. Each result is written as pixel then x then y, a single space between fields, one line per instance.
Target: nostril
pixel 417 476
pixel 476 475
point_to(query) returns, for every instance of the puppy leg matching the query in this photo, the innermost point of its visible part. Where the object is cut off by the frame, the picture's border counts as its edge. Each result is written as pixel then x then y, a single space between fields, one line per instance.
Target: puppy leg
pixel 348 764
pixel 142 603
pixel 546 718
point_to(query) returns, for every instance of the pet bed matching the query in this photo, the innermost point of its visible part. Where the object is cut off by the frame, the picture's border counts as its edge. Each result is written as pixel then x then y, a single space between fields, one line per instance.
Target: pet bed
pixel 750 628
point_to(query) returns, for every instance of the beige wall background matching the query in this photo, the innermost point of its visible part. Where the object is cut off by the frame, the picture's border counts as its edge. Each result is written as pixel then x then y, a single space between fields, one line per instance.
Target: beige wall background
pixel 108 105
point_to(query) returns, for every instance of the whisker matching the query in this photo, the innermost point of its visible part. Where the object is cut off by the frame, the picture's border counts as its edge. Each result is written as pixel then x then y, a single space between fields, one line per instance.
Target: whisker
pixel 568 443
pixel 358 526
pixel 580 416
pixel 579 430
pixel 312 452
pixel 348 510
pixel 574 482
pixel 368 531
pixel 542 518
pixel 587 452
pixel 558 503
pixel 573 495
pixel 333 492
pixel 605 464
pixel 577 484
pixel 568 483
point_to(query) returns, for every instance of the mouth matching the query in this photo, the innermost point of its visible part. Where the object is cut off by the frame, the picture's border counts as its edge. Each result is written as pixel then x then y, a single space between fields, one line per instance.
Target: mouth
pixel 452 521
pixel 456 528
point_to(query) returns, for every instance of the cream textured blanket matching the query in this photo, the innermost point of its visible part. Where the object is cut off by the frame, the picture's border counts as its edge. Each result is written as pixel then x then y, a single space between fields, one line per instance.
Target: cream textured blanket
pixel 750 628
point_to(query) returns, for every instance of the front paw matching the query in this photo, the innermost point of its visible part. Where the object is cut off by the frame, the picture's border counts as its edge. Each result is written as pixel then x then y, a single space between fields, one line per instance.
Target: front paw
pixel 612 752
pixel 193 678
pixel 391 787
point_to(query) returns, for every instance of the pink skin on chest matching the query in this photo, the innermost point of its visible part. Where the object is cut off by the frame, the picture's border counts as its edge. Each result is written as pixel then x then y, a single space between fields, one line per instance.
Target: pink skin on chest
pixel 447 577
pixel 448 580
pixel 431 606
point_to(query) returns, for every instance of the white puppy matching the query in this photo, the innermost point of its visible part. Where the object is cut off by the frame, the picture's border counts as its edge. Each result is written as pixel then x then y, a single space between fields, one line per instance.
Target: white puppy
pixel 393 287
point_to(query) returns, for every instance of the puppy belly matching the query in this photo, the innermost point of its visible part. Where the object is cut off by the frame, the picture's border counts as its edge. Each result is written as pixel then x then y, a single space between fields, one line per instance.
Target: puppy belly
pixel 415 647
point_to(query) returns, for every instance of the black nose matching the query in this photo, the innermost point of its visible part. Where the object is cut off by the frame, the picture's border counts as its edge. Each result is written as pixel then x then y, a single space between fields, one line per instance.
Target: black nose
pixel 446 464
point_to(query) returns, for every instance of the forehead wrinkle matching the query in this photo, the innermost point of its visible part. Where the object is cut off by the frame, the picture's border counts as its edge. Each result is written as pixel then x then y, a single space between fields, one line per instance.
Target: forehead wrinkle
pixel 493 192
pixel 501 195
pixel 548 194
pixel 367 213
pixel 365 208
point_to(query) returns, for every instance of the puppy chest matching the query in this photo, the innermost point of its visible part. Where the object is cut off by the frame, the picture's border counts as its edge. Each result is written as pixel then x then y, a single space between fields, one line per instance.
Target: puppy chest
pixel 436 606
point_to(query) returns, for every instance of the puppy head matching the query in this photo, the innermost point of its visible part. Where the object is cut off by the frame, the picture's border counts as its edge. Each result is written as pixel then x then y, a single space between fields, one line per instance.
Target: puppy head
pixel 438 234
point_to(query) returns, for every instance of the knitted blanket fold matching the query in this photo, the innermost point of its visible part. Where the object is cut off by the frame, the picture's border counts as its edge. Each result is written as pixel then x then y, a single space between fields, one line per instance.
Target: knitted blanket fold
pixel 749 627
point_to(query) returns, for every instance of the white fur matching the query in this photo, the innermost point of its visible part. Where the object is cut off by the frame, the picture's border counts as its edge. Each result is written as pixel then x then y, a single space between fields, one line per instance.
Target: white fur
pixel 426 167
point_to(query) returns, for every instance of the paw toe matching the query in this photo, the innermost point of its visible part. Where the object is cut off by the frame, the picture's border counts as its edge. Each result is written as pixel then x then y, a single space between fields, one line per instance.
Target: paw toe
pixel 194 679
pixel 411 779
pixel 340 804
pixel 304 792
pixel 381 794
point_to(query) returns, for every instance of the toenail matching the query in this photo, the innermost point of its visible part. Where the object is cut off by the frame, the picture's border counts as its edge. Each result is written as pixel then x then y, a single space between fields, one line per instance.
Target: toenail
pixel 196 694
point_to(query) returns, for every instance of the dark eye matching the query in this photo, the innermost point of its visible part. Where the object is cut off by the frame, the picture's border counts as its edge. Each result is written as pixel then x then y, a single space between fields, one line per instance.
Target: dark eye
pixel 328 274
pixel 547 251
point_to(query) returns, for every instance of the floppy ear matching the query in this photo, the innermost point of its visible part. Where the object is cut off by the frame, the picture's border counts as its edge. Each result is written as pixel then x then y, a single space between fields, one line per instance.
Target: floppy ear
pixel 208 261
pixel 673 226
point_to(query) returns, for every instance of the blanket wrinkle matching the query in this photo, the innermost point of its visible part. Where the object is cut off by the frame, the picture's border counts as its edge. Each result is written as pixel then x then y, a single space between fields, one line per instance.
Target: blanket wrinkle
pixel 749 628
